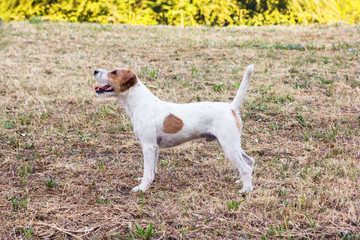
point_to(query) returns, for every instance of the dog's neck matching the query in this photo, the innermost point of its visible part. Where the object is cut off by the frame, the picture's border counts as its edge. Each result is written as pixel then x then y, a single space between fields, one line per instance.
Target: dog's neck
pixel 137 98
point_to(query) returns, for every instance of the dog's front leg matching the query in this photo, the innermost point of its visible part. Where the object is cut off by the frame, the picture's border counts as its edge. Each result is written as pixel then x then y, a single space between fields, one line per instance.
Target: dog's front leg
pixel 150 153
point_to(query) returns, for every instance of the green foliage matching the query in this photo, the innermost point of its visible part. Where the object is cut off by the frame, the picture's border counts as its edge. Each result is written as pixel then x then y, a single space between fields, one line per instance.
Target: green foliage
pixel 9 125
pixel 311 221
pixel 184 12
pixel 23 171
pixel 51 183
pixel 28 232
pixel 349 236
pixel 19 205
pixel 218 87
pixel 233 205
pixel 103 199
pixel 302 121
pixel 277 230
pixel 145 233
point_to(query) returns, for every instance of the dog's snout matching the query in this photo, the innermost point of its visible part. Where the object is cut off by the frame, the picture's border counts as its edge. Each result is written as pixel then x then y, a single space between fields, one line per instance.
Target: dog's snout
pixel 96 72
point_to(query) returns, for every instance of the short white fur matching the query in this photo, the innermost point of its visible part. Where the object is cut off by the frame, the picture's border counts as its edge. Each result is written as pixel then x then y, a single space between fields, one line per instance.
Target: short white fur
pixel 147 114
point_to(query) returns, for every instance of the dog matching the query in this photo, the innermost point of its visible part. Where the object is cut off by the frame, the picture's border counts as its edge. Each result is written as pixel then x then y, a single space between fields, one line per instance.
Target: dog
pixel 157 123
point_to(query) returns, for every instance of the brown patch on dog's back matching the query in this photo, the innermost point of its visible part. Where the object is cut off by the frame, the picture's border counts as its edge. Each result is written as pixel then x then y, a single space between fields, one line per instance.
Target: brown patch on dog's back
pixel 238 121
pixel 172 124
pixel 122 80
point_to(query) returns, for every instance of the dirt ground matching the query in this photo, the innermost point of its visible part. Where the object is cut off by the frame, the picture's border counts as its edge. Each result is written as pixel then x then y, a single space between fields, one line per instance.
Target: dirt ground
pixel 69 159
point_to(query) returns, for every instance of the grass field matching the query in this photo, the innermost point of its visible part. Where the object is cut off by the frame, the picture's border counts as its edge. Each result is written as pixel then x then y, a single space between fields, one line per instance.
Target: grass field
pixel 69 159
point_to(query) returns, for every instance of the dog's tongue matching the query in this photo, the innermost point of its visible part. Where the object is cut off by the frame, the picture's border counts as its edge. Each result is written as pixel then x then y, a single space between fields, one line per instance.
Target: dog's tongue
pixel 103 87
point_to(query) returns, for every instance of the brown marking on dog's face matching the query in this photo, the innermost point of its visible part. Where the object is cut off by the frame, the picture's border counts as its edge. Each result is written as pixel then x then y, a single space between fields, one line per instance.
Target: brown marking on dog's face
pixel 172 124
pixel 238 121
pixel 122 80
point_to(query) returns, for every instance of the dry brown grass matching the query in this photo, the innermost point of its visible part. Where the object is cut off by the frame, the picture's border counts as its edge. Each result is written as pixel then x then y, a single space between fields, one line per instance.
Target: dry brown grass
pixel 301 124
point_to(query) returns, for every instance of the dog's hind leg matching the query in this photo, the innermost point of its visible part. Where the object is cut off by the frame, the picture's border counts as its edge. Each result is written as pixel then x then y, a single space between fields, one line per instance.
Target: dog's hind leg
pixel 150 153
pixel 249 160
pixel 230 143
pixel 156 158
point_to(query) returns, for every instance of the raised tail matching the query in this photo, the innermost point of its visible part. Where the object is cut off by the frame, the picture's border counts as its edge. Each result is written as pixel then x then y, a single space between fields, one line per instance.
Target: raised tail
pixel 236 103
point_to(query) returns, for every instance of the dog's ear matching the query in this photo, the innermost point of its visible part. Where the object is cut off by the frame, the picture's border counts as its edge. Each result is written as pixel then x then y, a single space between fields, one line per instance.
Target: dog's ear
pixel 128 80
pixel 128 76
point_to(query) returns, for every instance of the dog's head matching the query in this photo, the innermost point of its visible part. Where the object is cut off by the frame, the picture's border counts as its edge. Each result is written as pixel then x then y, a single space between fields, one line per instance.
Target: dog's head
pixel 115 82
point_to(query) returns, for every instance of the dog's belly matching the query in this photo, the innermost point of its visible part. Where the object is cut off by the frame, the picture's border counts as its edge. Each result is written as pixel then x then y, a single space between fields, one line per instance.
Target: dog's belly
pixel 167 141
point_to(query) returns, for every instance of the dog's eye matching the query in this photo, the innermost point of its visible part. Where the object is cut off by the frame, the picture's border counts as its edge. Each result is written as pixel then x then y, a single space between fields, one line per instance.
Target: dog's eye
pixel 114 72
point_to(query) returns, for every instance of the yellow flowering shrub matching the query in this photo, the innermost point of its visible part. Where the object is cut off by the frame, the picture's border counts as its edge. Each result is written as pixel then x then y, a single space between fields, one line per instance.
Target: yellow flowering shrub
pixel 185 12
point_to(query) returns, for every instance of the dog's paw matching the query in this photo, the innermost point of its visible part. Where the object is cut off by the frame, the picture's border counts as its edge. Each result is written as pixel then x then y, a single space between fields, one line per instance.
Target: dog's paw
pixel 247 186
pixel 246 189
pixel 140 188
pixel 136 189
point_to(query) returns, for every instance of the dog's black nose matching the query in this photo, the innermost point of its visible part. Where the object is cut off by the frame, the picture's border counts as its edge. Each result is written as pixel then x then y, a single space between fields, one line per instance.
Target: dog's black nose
pixel 96 72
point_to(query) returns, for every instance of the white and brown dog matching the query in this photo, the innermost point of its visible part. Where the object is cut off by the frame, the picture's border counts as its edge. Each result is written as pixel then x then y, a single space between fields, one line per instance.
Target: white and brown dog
pixel 164 124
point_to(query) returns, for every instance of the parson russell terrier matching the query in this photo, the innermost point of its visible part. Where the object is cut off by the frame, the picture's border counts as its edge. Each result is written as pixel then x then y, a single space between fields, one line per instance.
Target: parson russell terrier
pixel 163 124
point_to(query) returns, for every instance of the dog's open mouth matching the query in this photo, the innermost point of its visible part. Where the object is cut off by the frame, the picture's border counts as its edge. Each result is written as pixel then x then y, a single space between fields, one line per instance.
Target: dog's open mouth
pixel 106 88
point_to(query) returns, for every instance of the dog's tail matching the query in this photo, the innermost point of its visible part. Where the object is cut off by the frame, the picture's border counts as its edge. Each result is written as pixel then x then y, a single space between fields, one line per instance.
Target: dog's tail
pixel 236 103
